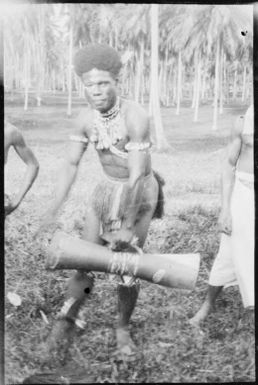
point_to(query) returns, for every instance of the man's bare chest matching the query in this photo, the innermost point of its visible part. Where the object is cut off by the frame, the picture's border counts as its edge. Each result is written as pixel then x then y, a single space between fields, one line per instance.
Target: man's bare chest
pixel 116 155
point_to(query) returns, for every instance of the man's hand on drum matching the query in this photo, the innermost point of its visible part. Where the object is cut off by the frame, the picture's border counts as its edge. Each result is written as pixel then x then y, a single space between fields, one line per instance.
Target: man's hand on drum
pixel 121 239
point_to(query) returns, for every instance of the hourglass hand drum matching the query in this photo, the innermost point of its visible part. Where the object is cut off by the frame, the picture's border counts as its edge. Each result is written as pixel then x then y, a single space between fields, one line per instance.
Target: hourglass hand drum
pixel 171 270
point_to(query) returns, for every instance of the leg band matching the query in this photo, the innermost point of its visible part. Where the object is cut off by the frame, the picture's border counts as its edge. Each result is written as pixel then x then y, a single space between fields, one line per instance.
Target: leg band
pixel 127 297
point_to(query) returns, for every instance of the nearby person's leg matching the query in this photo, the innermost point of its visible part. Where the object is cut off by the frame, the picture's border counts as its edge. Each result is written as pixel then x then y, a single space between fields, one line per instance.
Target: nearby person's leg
pixel 128 291
pixel 243 245
pixel 222 273
pixel 207 306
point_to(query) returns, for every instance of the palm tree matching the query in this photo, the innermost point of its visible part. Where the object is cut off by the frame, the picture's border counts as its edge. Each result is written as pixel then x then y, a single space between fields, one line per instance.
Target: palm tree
pixel 74 27
pixel 197 42
pixel 225 22
pixel 133 26
pixel 40 52
pixel 155 102
pixel 22 35
pixel 71 33
pixel 179 21
pixel 216 30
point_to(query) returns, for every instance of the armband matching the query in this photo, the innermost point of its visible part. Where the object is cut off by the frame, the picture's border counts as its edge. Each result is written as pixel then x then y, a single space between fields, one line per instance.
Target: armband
pixel 77 138
pixel 130 146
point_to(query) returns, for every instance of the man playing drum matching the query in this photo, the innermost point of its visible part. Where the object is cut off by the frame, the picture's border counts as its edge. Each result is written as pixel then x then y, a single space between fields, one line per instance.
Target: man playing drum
pixel 124 203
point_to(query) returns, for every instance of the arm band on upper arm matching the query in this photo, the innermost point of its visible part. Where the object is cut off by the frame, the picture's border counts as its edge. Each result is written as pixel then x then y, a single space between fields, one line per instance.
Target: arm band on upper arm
pixel 77 138
pixel 130 146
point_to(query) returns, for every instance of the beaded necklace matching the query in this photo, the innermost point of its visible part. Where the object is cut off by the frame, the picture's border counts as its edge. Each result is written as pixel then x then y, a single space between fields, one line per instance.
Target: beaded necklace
pixel 106 131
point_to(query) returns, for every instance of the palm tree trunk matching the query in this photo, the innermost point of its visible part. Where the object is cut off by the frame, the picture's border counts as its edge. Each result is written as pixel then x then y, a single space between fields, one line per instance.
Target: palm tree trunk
pixel 127 85
pixel 194 90
pixel 244 84
pixel 155 103
pixel 63 77
pixel 141 68
pixel 13 81
pixel 137 80
pixel 182 80
pixel 139 71
pixel 27 71
pixel 81 89
pixel 216 87
pixel 69 106
pixel 235 84
pixel 40 52
pixel 203 87
pixel 196 107
pixel 160 76
pixel 165 77
pixel 53 81
pixel 17 71
pixel 221 80
pixel 116 37
pixel 26 95
pixel 174 93
pixel 110 39
pixel 179 80
pixel 226 79
pixel 150 103
pixel 204 80
pixel 143 87
pixel 195 79
pixel 124 80
pixel 167 85
pixel 38 66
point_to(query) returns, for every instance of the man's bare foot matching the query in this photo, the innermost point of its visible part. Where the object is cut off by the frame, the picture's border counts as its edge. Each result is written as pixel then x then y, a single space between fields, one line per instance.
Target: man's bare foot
pixel 125 344
pixel 200 315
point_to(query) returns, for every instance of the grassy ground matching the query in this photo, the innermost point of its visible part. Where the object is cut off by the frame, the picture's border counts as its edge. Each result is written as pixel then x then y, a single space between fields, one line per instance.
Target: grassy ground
pixel 169 349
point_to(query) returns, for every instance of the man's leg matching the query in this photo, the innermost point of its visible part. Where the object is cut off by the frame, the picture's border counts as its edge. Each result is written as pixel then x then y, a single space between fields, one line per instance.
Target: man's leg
pixel 128 292
pixel 81 283
pixel 207 306
pixel 79 287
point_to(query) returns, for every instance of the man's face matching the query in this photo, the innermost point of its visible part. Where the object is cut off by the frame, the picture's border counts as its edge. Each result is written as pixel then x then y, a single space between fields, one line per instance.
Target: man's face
pixel 101 89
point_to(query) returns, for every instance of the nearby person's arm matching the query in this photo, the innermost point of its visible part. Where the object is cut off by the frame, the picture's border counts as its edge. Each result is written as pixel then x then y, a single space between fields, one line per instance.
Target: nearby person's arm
pixel 26 154
pixel 138 158
pixel 228 176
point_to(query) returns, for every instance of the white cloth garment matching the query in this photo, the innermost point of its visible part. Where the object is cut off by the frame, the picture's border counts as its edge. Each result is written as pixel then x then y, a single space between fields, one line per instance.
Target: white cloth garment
pixel 249 121
pixel 234 263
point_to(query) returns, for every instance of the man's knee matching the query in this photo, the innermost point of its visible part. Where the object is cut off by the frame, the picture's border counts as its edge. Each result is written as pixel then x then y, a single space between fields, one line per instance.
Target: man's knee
pixel 80 285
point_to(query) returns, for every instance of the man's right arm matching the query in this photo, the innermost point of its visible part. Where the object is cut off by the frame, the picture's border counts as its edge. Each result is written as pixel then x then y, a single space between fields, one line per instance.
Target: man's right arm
pixel 68 172
pixel 228 176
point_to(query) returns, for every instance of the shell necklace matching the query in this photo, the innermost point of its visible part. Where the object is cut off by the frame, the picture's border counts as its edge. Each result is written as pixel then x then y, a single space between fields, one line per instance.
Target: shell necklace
pixel 106 127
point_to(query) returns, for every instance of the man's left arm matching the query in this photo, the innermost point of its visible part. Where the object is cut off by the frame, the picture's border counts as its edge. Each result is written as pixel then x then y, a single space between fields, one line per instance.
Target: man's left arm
pixel 26 154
